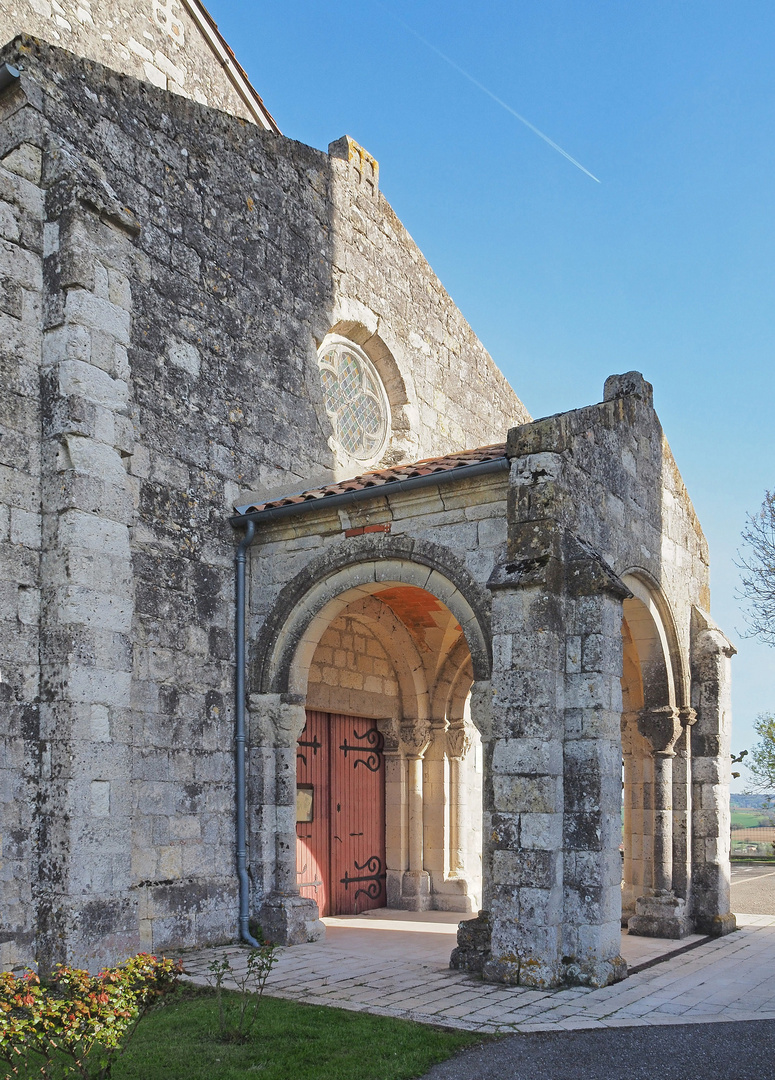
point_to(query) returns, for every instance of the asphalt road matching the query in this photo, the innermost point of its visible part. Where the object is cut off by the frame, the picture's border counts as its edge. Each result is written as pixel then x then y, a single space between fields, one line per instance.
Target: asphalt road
pixel 753 891
pixel 732 1051
pixel 735 1051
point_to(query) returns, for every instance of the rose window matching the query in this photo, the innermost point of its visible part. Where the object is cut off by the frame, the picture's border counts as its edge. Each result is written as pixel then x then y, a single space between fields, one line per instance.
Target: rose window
pixel 355 400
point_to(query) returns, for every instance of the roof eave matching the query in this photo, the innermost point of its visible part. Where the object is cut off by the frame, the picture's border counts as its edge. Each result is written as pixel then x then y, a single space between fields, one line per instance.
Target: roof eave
pixel 391 487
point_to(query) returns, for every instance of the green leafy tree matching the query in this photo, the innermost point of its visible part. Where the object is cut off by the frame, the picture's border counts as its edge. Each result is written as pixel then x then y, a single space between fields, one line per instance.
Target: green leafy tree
pixel 756 563
pixel 761 763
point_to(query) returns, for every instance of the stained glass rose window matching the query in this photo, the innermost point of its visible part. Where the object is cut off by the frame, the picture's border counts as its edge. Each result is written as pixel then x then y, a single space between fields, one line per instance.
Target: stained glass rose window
pixel 355 400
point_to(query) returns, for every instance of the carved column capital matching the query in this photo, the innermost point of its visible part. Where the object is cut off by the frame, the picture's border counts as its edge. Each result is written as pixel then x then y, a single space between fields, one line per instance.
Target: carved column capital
pixel 274 722
pixel 662 727
pixel 459 742
pixel 415 736
pixel 388 729
pixel 688 716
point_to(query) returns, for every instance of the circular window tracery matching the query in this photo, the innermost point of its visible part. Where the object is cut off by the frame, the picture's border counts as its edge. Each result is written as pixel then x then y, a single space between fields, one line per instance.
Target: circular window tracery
pixel 355 400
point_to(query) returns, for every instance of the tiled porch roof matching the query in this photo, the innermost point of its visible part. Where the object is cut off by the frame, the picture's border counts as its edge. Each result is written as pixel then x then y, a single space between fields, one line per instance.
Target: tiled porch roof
pixel 384 477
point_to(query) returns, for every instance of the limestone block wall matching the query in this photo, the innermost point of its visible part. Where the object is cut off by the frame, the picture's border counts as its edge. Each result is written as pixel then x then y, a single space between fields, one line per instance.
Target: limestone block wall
pixel 607 472
pixel 467 519
pixel 21 338
pixel 157 41
pixel 171 275
pixel 387 295
pixel 352 673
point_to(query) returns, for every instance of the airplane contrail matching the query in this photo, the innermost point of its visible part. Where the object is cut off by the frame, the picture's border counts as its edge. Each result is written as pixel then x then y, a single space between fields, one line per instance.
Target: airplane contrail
pixel 489 93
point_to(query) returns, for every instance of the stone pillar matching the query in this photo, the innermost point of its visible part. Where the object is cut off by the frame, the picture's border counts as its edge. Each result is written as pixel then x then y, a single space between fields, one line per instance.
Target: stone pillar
pixel 435 806
pixel 416 882
pixel 474 936
pixel 629 769
pixel 711 768
pixel 661 914
pixel 592 771
pixel 396 816
pixel 87 914
pixel 682 802
pixel 276 723
pixel 517 936
pixel 449 808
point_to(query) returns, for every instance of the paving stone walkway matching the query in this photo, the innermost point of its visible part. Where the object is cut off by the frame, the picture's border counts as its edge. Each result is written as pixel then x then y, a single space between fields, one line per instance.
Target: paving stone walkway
pixel 395 964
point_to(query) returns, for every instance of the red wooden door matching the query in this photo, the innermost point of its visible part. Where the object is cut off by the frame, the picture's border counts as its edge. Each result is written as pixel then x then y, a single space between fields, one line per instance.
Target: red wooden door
pixel 340 847
pixel 312 802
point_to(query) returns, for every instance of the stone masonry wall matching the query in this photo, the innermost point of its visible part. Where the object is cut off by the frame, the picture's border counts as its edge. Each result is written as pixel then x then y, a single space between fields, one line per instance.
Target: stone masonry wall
pixel 455 394
pixel 607 472
pixel 352 673
pixel 153 40
pixel 21 287
pixel 189 276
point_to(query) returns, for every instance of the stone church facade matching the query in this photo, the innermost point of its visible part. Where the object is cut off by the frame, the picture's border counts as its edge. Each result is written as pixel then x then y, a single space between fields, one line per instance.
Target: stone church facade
pixel 229 372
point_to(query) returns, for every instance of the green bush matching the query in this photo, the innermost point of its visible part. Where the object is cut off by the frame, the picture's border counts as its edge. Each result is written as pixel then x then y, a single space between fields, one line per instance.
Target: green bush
pixel 250 989
pixel 75 1024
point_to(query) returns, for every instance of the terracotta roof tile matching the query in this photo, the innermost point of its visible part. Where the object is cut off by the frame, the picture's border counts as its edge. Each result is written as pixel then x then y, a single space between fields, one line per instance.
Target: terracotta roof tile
pixel 383 477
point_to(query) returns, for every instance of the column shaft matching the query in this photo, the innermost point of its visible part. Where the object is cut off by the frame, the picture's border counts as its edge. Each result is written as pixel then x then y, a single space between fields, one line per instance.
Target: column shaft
pixel 663 822
pixel 415 815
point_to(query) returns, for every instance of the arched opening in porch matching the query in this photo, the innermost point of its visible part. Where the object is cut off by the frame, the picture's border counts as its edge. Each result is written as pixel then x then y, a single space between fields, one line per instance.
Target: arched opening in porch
pixel 379 661
pixel 656 788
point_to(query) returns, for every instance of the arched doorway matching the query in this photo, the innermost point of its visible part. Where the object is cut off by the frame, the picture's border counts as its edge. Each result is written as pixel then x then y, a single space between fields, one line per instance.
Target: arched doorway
pixel 376 663
pixel 656 793
pixel 392 755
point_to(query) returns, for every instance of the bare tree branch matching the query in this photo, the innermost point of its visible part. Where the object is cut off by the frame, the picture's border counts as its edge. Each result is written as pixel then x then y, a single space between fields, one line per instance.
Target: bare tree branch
pixel 757 566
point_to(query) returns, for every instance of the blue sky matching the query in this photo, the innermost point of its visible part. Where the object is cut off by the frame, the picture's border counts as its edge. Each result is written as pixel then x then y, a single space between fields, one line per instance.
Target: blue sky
pixel 666 266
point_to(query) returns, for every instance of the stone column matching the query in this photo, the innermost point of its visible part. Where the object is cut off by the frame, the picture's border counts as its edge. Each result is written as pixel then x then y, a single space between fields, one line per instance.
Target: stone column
pixel 459 743
pixel 517 936
pixel 396 816
pixel 682 801
pixel 276 722
pixel 474 936
pixel 435 806
pixel 711 768
pixel 592 771
pixel 661 914
pixel 629 768
pixel 416 883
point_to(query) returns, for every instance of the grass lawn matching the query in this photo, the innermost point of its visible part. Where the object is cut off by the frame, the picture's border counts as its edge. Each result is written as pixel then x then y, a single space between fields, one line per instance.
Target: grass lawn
pixel 179 1041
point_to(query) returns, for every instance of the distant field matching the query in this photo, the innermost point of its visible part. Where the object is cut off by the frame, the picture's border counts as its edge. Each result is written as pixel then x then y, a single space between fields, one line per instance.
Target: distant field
pixel 753 842
pixel 750 819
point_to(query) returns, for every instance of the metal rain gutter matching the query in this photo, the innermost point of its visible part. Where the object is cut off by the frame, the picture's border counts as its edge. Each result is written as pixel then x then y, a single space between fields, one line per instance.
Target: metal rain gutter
pixel 240 738
pixel 346 498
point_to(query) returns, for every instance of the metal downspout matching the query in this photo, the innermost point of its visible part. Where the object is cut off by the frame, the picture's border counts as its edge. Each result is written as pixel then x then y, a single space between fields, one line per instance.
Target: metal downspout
pixel 240 737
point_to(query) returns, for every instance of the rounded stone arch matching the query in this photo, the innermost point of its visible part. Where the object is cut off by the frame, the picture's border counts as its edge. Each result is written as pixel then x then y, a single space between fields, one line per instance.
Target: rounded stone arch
pixel 359 324
pixel 362 566
pixel 453 684
pixel 405 660
pixel 664 679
